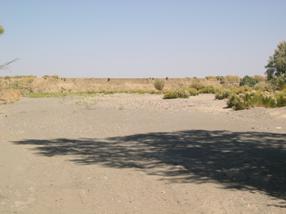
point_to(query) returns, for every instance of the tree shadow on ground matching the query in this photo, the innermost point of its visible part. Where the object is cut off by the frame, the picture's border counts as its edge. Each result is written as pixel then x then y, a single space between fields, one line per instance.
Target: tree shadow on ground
pixel 239 160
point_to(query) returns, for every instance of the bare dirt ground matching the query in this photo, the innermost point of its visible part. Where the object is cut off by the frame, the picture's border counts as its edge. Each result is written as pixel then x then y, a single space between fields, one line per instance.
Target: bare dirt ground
pixel 140 154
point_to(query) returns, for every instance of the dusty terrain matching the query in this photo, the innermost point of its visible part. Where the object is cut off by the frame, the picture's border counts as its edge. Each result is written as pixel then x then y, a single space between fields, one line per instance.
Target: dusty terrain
pixel 140 154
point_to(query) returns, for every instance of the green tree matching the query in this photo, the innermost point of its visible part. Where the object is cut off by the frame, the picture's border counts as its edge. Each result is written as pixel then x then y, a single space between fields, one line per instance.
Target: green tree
pixel 276 66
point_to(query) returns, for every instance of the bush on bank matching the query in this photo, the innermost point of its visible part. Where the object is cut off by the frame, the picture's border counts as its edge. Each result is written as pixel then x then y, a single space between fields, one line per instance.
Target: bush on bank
pixel 257 99
pixel 178 93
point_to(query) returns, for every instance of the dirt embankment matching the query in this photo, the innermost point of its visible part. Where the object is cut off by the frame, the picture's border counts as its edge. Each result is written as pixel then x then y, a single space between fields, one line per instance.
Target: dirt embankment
pixel 55 84
pixel 12 88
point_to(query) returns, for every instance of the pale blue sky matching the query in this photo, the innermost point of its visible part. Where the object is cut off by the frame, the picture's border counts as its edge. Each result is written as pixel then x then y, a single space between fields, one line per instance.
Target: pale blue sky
pixel 140 38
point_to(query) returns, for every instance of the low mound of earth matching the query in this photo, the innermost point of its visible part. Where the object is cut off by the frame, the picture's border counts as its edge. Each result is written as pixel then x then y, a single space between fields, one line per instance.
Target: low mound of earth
pixel 127 153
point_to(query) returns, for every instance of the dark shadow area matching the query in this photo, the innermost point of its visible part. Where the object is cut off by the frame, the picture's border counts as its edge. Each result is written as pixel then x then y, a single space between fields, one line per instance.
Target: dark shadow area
pixel 239 160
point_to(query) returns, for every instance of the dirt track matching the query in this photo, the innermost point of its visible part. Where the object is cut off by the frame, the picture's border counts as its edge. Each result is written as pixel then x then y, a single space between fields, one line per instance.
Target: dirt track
pixel 140 154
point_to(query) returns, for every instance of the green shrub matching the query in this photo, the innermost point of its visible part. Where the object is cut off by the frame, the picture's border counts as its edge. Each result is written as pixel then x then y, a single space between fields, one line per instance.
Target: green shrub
pixel 250 99
pixel 257 98
pixel 178 93
pixel 159 84
pixel 193 91
pixel 281 99
pixel 248 81
pixel 223 94
pixel 266 101
pixel 236 102
pixel 207 90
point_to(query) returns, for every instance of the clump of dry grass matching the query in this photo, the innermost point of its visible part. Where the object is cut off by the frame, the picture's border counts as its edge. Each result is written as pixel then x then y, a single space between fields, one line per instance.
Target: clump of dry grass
pixel 178 93
pixel 230 80
pixel 9 96
pixel 223 94
pixel 159 84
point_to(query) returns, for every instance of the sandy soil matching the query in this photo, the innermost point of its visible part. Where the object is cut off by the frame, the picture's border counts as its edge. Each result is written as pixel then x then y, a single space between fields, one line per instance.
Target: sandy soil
pixel 140 154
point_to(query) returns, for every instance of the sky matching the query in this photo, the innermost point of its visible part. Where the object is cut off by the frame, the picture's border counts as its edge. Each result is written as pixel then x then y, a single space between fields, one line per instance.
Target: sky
pixel 147 38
